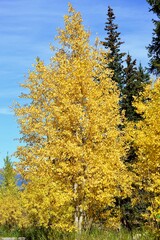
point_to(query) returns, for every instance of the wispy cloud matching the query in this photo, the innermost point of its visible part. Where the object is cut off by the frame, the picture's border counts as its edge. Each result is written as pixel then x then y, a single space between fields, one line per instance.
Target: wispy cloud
pixel 6 111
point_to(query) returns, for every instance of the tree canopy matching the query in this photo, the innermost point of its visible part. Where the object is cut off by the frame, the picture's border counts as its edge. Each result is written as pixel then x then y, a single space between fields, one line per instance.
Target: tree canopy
pixel 72 148
pixel 146 137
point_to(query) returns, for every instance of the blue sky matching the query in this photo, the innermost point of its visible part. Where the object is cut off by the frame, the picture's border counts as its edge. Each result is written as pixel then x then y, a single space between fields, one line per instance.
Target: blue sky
pixel 27 27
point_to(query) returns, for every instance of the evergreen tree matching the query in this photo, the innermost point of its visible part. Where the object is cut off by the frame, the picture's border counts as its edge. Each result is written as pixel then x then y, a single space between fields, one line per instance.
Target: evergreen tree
pixel 10 198
pixel 113 43
pixel 134 83
pixel 8 175
pixel 142 77
pixel 129 88
pixel 130 80
pixel 154 47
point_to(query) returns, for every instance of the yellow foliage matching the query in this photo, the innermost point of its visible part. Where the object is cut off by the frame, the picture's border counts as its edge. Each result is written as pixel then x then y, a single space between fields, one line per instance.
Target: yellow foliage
pixel 73 149
pixel 9 209
pixel 146 137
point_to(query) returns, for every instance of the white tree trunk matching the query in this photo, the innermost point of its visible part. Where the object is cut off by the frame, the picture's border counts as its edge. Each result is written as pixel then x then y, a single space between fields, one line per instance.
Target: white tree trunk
pixel 78 216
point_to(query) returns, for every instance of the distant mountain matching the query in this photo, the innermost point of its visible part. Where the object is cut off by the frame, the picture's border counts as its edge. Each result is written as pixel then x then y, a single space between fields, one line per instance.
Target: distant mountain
pixel 20 181
pixel 1 178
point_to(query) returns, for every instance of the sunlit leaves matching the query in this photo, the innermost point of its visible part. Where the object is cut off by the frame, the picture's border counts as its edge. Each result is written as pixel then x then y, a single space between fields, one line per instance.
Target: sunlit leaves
pixel 72 153
pixel 146 135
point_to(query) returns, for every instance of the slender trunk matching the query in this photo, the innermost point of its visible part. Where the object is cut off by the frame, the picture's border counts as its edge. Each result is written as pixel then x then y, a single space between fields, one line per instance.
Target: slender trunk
pixel 78 219
pixel 78 216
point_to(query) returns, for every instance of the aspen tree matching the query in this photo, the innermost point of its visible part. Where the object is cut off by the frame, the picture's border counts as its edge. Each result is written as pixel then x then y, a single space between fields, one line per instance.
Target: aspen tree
pixel 146 136
pixel 73 148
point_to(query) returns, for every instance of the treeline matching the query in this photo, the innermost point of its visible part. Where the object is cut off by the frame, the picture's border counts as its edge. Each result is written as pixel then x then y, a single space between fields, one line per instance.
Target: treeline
pixel 91 138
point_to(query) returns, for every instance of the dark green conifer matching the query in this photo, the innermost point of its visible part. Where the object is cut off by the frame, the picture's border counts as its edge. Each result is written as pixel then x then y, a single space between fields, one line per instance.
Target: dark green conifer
pixel 135 79
pixel 134 83
pixel 154 47
pixel 113 43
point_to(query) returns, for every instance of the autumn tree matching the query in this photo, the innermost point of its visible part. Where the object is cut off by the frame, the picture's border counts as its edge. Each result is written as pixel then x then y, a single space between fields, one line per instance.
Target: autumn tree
pixel 154 47
pixel 72 152
pixel 146 137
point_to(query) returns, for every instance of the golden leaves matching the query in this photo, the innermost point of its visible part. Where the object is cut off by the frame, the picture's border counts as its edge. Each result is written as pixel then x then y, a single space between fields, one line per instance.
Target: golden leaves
pixel 71 134
pixel 146 138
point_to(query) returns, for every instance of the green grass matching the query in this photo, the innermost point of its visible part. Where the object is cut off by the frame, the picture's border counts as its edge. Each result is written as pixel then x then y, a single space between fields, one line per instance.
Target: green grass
pixel 6 232
pixel 115 235
pixel 95 234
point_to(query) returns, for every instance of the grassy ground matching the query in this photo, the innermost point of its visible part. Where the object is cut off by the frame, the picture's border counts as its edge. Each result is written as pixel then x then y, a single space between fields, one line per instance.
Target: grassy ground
pixel 112 235
pixel 122 235
pixel 37 234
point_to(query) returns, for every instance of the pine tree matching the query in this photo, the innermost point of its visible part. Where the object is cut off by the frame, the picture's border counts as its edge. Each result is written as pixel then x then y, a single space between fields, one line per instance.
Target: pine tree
pixel 113 43
pixel 143 77
pixel 72 152
pixel 129 88
pixel 10 201
pixel 134 83
pixel 154 47
pixel 131 82
pixel 8 175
